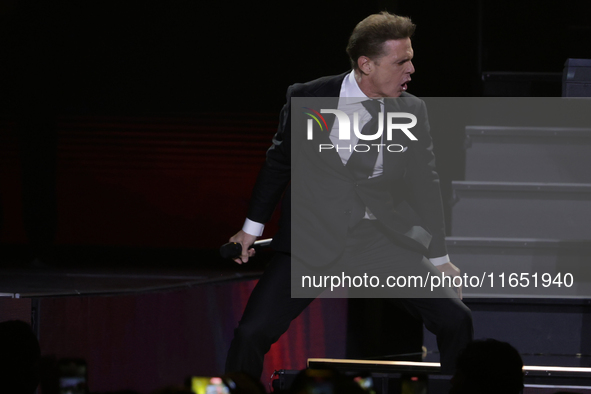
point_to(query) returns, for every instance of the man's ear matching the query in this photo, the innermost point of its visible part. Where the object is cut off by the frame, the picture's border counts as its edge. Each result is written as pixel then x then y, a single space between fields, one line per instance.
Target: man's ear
pixel 364 64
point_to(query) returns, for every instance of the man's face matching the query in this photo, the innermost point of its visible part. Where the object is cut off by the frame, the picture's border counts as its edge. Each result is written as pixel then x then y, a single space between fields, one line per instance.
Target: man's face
pixel 388 75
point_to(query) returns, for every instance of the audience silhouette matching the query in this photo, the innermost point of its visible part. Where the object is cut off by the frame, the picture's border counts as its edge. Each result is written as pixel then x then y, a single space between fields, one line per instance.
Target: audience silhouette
pixel 19 361
pixel 488 367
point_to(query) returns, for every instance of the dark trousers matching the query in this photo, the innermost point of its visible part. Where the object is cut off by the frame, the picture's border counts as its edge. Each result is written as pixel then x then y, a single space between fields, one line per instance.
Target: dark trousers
pixel 270 308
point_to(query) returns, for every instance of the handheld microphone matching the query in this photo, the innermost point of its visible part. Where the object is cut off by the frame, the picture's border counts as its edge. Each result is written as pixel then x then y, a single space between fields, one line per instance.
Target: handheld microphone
pixel 232 250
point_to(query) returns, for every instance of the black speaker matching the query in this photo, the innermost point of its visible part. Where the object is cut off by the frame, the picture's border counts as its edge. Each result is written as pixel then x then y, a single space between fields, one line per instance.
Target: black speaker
pixel 576 78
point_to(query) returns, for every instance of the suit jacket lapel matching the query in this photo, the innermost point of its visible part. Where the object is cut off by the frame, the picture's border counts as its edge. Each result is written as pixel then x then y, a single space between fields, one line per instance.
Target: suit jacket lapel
pixel 331 88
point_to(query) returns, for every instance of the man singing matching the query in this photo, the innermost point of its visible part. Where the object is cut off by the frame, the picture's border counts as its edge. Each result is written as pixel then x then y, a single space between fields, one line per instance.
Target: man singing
pixel 359 203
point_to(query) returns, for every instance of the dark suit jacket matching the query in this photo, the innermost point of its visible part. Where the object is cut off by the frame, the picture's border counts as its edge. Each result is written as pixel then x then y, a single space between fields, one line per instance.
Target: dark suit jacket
pixel 327 199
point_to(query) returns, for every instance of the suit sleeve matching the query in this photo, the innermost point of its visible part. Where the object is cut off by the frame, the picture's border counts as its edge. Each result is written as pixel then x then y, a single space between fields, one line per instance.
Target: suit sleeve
pixel 275 173
pixel 423 180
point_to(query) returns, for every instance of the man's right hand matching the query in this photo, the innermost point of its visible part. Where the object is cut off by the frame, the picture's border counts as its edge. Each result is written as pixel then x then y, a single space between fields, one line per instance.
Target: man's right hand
pixel 246 240
pixel 449 269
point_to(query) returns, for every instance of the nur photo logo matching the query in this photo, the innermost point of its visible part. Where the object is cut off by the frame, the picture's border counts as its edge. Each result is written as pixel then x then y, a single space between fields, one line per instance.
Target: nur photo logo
pixel 344 124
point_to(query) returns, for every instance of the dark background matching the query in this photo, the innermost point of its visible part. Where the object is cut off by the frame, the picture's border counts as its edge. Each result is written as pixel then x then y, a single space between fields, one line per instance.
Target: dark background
pixel 188 56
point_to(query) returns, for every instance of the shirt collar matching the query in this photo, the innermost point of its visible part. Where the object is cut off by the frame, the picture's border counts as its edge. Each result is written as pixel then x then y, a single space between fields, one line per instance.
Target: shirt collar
pixel 351 92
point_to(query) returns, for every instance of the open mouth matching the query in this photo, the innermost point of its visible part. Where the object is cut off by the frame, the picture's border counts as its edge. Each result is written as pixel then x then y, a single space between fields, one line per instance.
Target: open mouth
pixel 404 86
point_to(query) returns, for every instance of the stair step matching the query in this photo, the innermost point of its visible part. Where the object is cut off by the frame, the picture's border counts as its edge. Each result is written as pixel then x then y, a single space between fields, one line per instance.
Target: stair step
pixel 528 154
pixel 499 259
pixel 530 210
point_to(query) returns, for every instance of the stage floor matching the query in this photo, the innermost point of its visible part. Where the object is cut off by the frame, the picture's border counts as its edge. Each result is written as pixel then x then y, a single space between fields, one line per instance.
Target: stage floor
pixel 101 271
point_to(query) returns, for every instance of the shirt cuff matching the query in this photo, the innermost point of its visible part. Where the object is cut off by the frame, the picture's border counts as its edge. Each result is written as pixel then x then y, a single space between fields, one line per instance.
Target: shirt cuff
pixel 439 260
pixel 253 228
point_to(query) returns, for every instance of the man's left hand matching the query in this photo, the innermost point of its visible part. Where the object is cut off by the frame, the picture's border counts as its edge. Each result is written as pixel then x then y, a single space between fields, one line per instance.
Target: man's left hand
pixel 451 270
